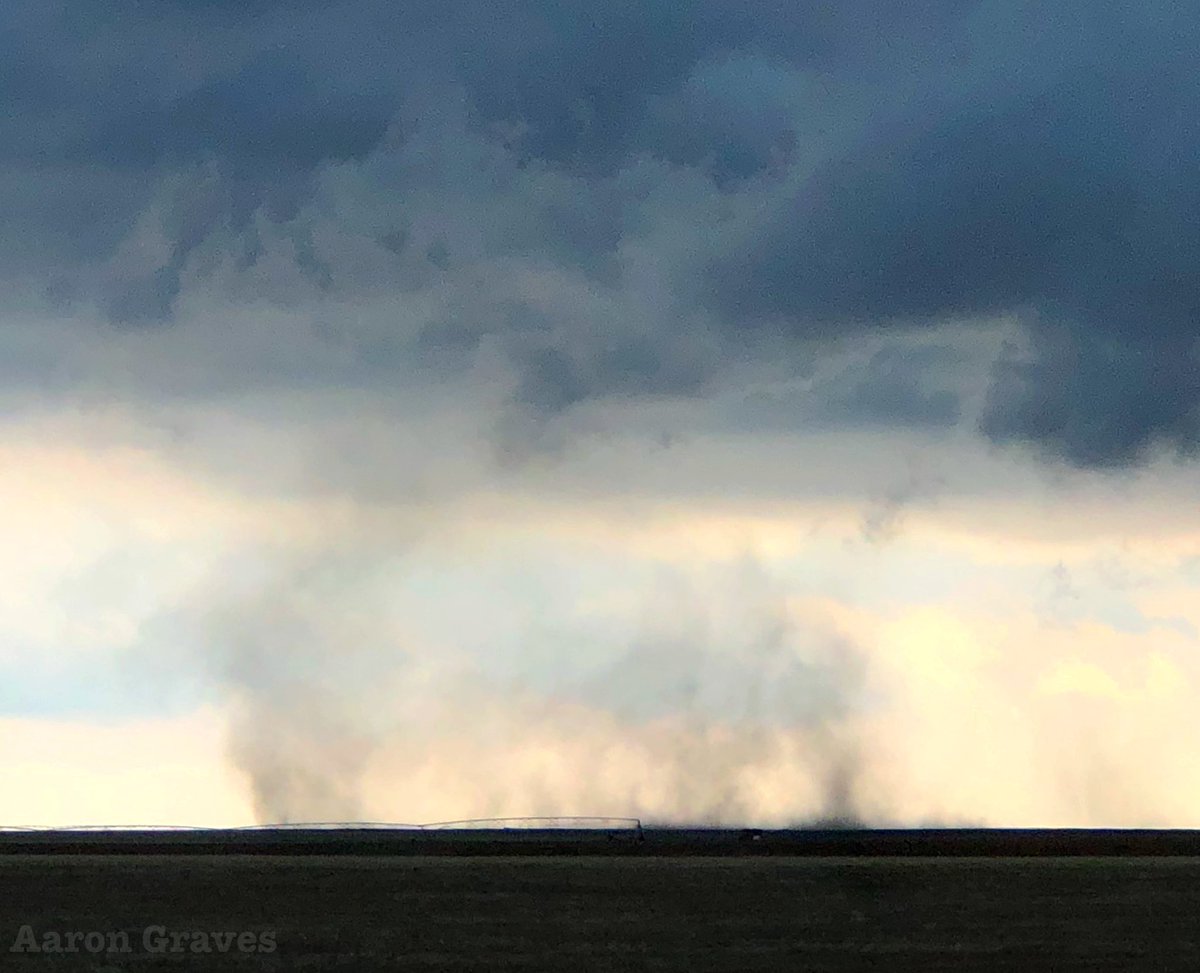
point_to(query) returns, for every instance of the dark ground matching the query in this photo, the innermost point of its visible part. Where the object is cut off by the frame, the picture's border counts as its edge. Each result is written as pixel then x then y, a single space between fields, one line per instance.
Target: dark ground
pixel 583 913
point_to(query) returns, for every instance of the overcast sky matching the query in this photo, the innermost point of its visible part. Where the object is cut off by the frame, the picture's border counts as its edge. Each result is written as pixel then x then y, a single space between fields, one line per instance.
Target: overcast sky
pixel 727 413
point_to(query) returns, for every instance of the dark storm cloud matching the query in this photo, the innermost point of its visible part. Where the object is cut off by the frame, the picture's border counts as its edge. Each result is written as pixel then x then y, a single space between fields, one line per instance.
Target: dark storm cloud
pixel 935 161
pixel 1097 397
pixel 105 105
pixel 1063 191
pixel 586 78
pixel 101 101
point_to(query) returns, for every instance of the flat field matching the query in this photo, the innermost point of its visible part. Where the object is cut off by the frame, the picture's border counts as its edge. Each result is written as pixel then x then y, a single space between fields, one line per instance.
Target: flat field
pixel 579 914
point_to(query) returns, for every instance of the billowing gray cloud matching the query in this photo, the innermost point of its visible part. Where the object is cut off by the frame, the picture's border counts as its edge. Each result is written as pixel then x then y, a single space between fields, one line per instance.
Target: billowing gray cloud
pixel 623 199
pixel 895 386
